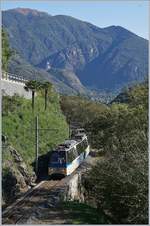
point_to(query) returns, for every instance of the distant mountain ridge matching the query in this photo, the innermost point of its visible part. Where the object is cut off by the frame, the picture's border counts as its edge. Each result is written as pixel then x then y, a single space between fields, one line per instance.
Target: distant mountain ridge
pixel 27 11
pixel 76 53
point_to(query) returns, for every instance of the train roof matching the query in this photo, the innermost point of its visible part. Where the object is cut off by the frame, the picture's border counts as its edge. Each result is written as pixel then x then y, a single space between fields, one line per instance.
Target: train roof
pixel 68 144
pixel 80 129
pixel 80 136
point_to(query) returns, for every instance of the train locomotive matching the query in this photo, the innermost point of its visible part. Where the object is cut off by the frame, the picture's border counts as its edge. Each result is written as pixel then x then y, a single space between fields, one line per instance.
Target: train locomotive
pixel 69 155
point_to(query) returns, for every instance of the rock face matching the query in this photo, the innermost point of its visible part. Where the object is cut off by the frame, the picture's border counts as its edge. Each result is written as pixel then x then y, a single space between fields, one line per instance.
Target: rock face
pixel 65 81
pixel 75 189
pixel 16 178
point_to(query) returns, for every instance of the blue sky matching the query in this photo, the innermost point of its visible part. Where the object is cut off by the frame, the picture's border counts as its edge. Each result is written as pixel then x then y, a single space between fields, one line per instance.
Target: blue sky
pixel 130 14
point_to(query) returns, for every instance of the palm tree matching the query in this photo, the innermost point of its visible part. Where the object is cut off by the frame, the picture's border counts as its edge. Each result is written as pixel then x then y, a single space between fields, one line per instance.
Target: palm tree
pixel 46 86
pixel 33 86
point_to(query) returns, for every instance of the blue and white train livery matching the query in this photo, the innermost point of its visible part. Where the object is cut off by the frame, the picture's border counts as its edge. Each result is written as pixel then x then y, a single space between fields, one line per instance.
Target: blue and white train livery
pixel 69 155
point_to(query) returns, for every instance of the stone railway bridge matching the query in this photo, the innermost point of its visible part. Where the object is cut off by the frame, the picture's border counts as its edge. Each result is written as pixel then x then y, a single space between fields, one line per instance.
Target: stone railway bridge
pixel 13 84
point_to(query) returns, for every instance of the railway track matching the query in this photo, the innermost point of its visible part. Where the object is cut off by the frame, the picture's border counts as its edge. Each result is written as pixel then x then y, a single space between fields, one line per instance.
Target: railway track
pixel 39 203
pixel 25 206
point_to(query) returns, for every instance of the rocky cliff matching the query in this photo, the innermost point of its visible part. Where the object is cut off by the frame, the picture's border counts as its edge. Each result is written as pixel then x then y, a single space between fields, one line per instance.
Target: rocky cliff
pixel 16 178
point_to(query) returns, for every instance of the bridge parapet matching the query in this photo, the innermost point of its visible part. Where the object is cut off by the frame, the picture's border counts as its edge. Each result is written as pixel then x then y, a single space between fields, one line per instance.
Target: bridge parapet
pixel 13 77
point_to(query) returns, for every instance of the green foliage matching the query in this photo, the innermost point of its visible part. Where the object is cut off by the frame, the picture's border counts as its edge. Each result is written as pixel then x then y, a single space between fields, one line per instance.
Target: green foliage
pixel 136 94
pixel 121 189
pixel 33 86
pixel 80 110
pixel 18 125
pixel 6 52
pixel 119 119
pixel 47 87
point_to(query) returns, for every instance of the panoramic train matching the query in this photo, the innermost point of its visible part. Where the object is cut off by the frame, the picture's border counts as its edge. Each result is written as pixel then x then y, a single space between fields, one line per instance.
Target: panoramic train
pixel 69 155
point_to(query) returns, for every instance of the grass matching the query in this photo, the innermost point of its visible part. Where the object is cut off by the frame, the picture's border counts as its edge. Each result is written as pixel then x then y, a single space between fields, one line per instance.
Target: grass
pixel 18 124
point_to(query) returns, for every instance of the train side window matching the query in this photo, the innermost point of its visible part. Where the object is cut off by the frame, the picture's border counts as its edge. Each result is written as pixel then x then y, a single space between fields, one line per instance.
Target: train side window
pixel 85 144
pixel 80 147
pixel 75 152
pixel 71 155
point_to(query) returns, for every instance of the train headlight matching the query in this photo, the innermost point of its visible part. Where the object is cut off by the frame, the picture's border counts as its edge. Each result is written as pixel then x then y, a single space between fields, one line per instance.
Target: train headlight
pixel 56 170
pixel 50 170
pixel 64 171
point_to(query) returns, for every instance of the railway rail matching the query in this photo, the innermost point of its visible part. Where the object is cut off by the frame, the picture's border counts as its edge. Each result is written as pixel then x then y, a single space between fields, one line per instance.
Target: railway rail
pixel 26 205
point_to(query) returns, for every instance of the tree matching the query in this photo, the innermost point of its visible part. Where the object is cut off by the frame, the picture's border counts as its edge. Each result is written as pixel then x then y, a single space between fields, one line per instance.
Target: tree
pixel 47 87
pixel 6 51
pixel 80 110
pixel 33 86
pixel 121 187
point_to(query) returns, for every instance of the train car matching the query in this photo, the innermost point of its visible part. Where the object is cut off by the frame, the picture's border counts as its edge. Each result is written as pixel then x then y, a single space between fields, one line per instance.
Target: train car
pixel 80 132
pixel 69 155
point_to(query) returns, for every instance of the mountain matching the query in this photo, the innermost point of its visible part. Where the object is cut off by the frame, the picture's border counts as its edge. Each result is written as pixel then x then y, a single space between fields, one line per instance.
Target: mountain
pixel 77 54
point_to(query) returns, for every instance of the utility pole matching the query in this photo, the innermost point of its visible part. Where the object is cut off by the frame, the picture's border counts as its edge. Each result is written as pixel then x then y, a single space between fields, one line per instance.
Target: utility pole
pixel 69 130
pixel 36 144
pixel 37 129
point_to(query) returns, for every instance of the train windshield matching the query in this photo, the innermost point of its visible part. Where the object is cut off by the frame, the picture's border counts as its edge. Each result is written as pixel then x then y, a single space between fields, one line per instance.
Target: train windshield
pixel 78 137
pixel 58 157
pixel 81 130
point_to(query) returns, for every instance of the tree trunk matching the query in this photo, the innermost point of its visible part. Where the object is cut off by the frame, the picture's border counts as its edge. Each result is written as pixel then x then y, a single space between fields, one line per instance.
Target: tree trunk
pixel 33 93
